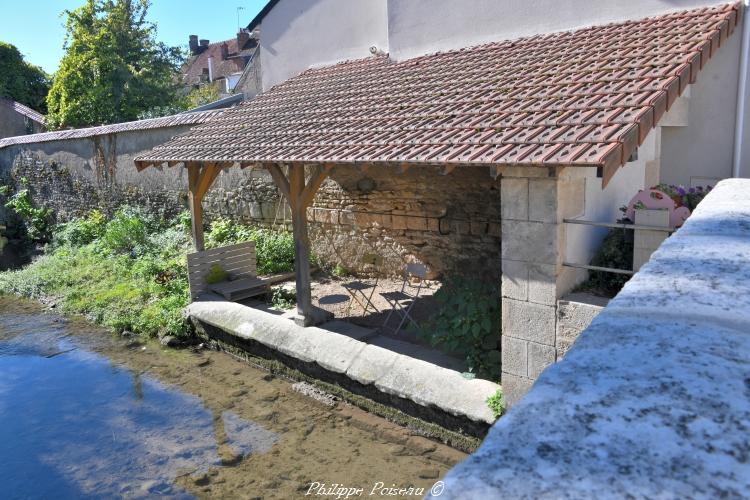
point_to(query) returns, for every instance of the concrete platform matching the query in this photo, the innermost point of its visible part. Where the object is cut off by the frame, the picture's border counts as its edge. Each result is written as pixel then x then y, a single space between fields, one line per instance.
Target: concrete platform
pixel 338 351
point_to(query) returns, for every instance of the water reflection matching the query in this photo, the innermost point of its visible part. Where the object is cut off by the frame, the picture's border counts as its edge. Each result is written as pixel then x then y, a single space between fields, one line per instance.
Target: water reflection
pixel 74 425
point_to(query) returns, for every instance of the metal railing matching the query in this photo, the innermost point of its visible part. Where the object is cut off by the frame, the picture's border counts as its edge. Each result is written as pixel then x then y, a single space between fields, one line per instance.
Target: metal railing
pixel 611 225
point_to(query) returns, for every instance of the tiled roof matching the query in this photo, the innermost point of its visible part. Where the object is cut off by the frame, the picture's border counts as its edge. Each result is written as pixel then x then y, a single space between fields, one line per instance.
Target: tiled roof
pixel 79 133
pixel 585 98
pixel 221 68
pixel 22 109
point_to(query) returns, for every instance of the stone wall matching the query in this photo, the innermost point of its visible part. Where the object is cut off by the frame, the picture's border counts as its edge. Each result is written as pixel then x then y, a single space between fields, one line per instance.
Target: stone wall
pixel 652 399
pixel 450 222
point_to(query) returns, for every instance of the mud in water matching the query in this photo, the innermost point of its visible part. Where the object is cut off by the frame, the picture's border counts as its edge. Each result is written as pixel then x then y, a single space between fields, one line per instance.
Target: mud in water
pixel 86 414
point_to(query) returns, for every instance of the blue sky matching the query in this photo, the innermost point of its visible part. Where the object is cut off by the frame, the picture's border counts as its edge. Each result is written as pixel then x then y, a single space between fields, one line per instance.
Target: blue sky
pixel 36 28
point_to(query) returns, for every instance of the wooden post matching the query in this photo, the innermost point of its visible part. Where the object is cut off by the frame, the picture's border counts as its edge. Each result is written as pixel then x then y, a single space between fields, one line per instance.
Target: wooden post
pixel 300 196
pixel 199 180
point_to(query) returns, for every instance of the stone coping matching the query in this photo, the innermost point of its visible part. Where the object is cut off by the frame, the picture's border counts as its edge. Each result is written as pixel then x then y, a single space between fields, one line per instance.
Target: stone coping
pixel 389 372
pixel 653 400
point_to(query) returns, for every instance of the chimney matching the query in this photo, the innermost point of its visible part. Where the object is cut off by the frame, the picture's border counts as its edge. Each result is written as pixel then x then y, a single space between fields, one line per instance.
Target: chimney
pixel 242 37
pixel 224 51
pixel 193 44
pixel 204 46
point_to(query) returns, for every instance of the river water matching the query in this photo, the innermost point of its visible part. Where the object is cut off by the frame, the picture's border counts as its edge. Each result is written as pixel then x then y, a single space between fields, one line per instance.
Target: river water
pixel 86 414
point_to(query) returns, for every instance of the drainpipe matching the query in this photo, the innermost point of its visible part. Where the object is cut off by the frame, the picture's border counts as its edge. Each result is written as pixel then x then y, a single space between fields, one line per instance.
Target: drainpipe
pixel 210 70
pixel 739 125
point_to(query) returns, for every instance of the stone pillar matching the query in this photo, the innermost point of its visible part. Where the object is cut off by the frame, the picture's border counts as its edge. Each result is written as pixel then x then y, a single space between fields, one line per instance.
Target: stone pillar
pixel 533 244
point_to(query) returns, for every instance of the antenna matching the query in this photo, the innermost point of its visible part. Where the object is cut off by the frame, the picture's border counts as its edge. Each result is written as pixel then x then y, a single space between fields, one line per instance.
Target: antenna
pixel 238 17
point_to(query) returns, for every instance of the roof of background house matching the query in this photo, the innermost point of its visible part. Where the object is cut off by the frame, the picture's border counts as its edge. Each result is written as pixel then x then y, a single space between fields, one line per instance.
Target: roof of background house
pixel 584 98
pixel 79 133
pixel 24 110
pixel 224 102
pixel 221 68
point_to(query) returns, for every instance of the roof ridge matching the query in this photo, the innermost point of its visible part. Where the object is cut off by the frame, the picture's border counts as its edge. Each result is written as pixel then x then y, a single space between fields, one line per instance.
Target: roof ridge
pixel 191 118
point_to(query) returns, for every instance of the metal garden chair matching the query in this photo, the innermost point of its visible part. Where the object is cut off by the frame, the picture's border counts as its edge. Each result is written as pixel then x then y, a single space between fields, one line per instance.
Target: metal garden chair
pixel 361 291
pixel 403 301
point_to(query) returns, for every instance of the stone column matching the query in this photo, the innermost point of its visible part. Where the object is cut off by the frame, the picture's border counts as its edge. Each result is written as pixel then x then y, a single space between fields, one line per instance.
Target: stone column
pixel 534 203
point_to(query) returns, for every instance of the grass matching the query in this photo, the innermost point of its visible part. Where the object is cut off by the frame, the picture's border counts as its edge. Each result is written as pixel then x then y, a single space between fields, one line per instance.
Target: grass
pixel 129 272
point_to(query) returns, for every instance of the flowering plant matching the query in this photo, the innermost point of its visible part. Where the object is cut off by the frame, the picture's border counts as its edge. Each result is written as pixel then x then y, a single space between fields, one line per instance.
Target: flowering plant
pixel 682 196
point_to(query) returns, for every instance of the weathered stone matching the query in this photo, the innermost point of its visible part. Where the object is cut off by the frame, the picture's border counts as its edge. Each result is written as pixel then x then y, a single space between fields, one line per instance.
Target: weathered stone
pixel 514 388
pixel 515 280
pixel 543 285
pixel 540 357
pixel 543 200
pixel 515 356
pixel 528 321
pixel 514 199
pixel 531 241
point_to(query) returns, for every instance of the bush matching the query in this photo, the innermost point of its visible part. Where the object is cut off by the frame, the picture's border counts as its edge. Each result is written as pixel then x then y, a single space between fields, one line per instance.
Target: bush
pixel 81 231
pixel 93 270
pixel 37 220
pixel 468 322
pixel 274 249
pixel 130 272
pixel 125 233
pixel 616 251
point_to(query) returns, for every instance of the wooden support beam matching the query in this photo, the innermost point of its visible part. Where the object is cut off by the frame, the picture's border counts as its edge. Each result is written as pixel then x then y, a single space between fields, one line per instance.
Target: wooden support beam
pixel 208 176
pixel 318 175
pixel 300 195
pixel 280 180
pixel 196 208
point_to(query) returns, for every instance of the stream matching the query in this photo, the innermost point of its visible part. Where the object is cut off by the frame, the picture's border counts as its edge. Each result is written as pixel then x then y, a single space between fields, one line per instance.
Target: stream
pixel 87 414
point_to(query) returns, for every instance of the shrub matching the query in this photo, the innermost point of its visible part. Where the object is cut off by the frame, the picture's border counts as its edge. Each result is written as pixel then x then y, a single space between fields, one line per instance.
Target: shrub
pixel 616 251
pixel 468 322
pixel 81 231
pixel 274 249
pixel 125 233
pixel 37 220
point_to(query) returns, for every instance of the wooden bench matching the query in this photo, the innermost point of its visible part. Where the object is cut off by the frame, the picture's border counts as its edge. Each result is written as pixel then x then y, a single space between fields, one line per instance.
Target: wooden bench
pixel 239 263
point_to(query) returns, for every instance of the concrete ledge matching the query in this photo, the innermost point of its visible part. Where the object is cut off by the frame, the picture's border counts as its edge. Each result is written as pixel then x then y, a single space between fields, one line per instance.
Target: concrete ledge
pixel 362 368
pixel 653 400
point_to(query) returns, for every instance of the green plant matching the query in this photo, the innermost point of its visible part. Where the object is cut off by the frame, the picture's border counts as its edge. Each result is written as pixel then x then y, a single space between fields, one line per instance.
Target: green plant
pixel 340 271
pixel 36 220
pixel 495 403
pixel 468 322
pixel 125 232
pixel 282 298
pixel 216 275
pixel 274 250
pixel 144 292
pixel 616 251
pixel 81 231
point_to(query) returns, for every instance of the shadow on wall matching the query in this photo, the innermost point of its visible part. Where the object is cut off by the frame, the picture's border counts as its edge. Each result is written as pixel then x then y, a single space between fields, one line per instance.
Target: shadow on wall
pixel 451 222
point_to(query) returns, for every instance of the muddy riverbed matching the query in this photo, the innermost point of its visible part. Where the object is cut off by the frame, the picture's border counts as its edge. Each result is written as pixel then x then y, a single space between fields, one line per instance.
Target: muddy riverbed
pixel 86 414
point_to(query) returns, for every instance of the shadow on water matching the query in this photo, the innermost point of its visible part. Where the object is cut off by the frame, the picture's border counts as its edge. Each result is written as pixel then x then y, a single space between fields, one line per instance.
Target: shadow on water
pixel 74 425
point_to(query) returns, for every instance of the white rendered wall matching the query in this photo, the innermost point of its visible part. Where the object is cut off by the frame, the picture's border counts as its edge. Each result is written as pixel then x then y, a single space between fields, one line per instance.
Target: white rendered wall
pixel 701 152
pixel 603 205
pixel 418 27
pixel 298 34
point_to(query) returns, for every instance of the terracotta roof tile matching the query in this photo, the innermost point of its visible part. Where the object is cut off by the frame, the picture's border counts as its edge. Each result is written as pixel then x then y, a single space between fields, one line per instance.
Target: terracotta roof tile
pixel 585 97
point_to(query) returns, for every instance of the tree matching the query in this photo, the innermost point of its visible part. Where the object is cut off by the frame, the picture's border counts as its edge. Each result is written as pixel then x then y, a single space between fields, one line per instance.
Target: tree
pixel 113 67
pixel 21 81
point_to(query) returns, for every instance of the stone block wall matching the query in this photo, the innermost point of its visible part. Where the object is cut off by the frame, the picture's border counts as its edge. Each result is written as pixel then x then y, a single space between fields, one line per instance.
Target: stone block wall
pixel 534 203
pixel 449 222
